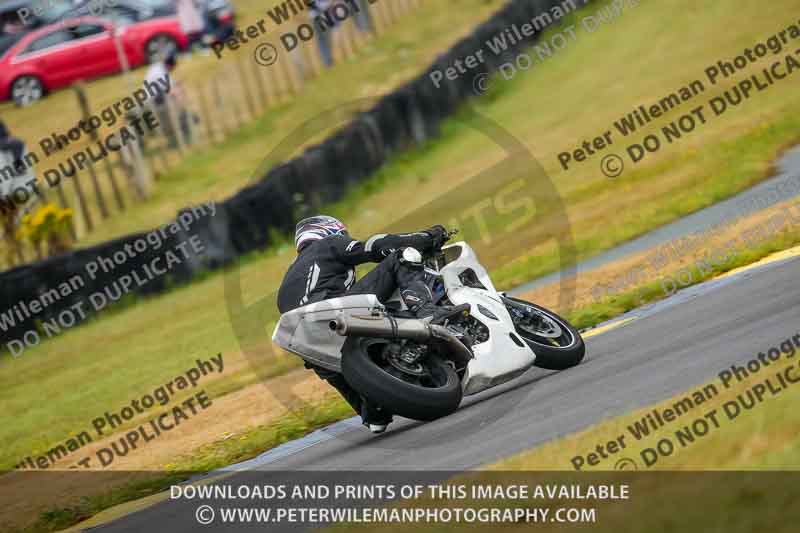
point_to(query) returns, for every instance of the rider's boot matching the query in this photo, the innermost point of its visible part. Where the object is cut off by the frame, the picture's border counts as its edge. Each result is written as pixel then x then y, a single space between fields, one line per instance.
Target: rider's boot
pixel 375 418
pixel 419 300
pixel 416 294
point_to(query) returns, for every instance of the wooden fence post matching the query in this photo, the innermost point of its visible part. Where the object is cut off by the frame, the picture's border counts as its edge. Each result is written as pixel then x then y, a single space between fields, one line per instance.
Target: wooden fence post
pixel 393 9
pixel 62 199
pixel 83 102
pixel 286 68
pixel 298 63
pixel 141 173
pixel 177 130
pixel 283 84
pixel 114 185
pixel 313 60
pixel 382 14
pixel 402 7
pixel 269 82
pixel 87 218
pixel 101 203
pixel 259 84
pixel 238 113
pixel 161 153
pixel 220 105
pixel 246 89
pixel 346 29
pixel 205 115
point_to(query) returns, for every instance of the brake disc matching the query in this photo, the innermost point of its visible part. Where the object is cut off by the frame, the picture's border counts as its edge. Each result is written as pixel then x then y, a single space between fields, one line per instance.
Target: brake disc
pixel 547 328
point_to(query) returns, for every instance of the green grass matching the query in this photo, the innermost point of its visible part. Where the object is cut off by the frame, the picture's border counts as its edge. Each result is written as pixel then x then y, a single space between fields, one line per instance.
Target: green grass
pixel 106 363
pixel 218 171
pixel 773 417
pixel 205 459
pixel 610 307
pixel 129 356
pixel 193 321
pixel 739 477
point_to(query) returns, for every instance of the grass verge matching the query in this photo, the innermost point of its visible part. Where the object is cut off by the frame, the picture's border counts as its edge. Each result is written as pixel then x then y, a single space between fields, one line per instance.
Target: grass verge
pixel 761 440
pixel 191 321
pixel 599 78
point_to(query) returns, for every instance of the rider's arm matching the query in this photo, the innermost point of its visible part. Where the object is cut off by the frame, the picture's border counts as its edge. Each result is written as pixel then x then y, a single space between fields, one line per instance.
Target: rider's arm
pixel 374 249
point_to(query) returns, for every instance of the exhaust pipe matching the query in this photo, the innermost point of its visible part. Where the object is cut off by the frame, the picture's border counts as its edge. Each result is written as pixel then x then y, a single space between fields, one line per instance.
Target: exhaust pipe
pixel 383 326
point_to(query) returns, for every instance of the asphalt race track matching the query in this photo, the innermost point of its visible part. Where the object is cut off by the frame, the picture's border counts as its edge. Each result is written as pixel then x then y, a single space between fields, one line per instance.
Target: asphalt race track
pixel 670 348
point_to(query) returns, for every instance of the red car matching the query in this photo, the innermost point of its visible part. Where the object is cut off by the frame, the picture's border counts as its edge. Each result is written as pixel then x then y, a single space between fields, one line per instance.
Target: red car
pixel 57 55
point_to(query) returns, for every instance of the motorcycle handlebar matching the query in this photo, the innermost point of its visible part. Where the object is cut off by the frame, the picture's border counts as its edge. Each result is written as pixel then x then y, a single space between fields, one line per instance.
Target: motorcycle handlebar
pixel 438 246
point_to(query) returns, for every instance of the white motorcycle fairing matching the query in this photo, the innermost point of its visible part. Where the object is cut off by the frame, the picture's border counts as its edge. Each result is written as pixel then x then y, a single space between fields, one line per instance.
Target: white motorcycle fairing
pixel 505 355
pixel 306 331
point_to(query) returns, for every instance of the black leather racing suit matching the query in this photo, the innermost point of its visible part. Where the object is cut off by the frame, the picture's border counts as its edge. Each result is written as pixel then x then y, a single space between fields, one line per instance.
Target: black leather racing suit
pixel 326 269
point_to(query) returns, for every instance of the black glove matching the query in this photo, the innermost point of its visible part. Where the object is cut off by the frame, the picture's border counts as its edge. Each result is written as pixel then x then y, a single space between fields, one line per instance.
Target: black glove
pixel 439 236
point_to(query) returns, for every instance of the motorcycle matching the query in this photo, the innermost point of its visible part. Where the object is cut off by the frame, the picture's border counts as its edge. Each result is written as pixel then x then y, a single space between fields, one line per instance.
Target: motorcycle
pixel 421 368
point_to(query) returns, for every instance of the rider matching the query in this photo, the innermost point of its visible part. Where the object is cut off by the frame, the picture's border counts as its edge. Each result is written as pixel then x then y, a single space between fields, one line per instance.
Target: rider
pixel 325 268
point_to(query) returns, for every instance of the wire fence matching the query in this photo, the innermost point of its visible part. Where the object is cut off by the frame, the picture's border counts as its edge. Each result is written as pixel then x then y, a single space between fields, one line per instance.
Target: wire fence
pixel 212 109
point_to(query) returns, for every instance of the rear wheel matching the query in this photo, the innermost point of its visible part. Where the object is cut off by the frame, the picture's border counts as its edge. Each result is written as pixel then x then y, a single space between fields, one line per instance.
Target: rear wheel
pixel 426 389
pixel 557 344
pixel 26 90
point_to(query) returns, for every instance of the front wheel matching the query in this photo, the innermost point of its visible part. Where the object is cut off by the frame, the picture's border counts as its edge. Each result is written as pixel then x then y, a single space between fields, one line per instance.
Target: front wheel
pixel 555 342
pixel 425 390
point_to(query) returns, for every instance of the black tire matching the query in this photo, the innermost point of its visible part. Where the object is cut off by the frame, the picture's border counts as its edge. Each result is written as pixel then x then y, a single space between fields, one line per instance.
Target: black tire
pixel 26 90
pixel 548 355
pixel 393 394
pixel 157 47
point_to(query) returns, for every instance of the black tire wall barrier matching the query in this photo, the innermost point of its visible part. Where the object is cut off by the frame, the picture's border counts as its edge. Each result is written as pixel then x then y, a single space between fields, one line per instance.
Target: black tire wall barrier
pixel 248 220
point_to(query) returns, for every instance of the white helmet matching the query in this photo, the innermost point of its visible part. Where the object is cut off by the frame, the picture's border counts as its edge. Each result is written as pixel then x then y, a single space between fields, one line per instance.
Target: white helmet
pixel 316 228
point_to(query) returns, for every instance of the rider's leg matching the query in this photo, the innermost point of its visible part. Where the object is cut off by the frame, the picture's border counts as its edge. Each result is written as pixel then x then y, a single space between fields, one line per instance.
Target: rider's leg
pixel 381 280
pixel 373 417
pixel 406 272
pixel 397 271
pixel 338 382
